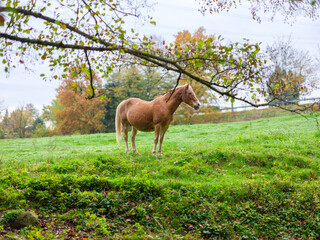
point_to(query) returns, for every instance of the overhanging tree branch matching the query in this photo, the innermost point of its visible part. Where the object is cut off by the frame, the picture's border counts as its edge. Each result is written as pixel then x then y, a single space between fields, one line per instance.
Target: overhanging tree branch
pixel 215 61
pixel 60 45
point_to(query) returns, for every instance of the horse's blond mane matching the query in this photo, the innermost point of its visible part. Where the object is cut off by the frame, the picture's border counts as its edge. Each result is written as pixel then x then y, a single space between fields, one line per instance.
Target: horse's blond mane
pixel 168 94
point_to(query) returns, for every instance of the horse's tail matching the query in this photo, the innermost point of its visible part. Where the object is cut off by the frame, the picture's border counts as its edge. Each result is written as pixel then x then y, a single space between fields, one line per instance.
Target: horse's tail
pixel 118 124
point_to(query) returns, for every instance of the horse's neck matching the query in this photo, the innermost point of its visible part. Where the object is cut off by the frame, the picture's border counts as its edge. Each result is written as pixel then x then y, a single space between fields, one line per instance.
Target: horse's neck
pixel 174 100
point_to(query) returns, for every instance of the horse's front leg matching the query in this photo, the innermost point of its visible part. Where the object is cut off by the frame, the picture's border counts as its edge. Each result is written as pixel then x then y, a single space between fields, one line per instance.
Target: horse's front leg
pixel 162 132
pixel 133 139
pixel 156 139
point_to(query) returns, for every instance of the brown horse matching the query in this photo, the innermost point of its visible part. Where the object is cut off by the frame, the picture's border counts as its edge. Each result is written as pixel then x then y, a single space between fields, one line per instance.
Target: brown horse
pixel 151 116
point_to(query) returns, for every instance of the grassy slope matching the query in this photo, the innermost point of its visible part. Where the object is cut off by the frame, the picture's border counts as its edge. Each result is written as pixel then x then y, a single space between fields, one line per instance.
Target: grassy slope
pixel 230 180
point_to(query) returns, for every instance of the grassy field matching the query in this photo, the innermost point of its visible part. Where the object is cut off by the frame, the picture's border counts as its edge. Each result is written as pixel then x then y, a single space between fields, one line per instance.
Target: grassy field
pixel 240 180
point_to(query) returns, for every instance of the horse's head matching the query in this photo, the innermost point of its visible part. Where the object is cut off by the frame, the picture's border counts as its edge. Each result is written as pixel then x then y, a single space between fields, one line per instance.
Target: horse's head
pixel 189 97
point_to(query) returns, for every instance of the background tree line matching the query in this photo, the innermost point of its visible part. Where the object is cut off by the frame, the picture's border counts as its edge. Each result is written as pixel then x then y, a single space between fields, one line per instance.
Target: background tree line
pixel 21 122
pixel 72 112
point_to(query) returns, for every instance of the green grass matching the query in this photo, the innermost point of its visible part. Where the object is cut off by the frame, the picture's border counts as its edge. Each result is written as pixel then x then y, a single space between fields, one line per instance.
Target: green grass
pixel 240 180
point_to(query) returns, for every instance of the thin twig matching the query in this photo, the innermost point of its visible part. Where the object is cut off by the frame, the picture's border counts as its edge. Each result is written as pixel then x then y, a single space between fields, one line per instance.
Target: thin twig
pixel 175 87
pixel 93 14
pixel 296 111
pixel 91 75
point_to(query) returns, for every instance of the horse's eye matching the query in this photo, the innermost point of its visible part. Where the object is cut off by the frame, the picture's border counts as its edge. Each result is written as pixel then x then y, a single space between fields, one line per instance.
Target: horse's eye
pixel 190 93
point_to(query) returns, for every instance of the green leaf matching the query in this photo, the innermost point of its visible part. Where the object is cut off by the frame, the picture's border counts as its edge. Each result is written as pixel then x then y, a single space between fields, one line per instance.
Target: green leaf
pixel 102 96
pixel 74 85
pixel 198 64
pixel 135 46
pixel 200 44
pixel 74 74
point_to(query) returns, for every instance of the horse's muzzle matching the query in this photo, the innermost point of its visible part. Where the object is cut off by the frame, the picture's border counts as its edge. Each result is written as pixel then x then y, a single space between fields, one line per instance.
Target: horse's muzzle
pixel 196 106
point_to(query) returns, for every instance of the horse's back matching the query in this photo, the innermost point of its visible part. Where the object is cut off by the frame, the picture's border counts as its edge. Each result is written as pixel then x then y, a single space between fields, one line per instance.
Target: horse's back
pixel 144 115
pixel 131 103
pixel 139 113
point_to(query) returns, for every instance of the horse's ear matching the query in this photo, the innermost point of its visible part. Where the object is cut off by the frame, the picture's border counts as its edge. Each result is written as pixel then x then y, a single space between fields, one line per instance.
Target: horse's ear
pixel 187 86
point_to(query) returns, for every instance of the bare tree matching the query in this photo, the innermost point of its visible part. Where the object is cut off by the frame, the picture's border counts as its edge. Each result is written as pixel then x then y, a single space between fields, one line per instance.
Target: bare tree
pixel 293 72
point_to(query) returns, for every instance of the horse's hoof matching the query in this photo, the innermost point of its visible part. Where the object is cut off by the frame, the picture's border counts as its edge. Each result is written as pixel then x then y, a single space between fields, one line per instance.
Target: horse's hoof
pixel 160 154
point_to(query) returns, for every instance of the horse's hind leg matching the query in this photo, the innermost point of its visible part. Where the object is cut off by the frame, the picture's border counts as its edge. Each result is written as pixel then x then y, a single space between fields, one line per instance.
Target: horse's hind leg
pixel 125 126
pixel 133 139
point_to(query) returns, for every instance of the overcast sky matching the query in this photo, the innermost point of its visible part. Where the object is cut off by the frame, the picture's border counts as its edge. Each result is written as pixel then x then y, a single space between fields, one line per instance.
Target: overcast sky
pixel 21 88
